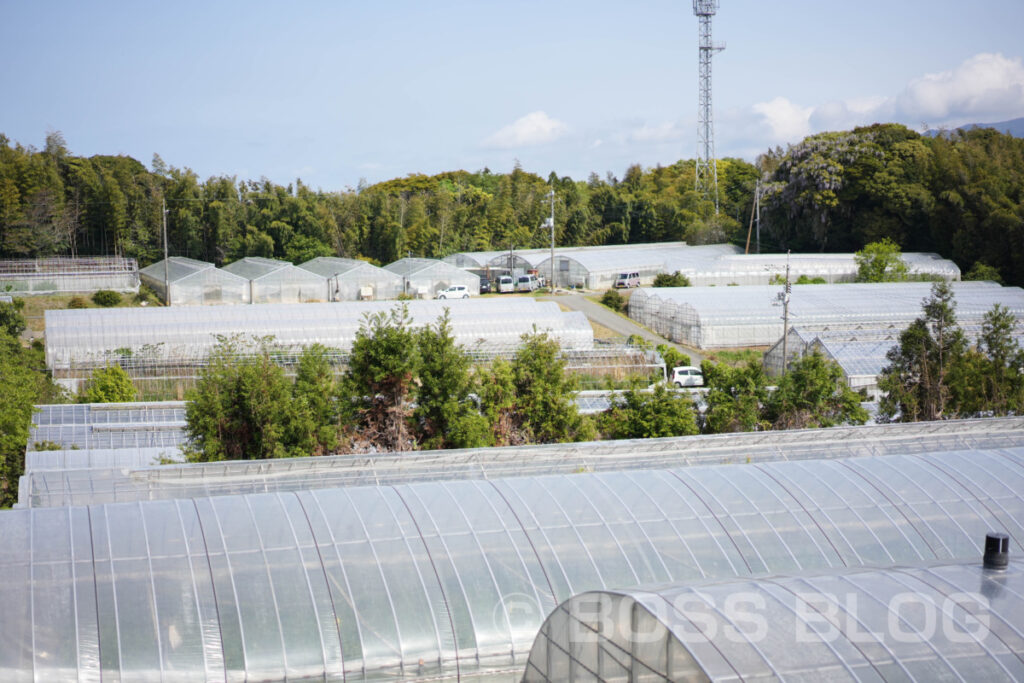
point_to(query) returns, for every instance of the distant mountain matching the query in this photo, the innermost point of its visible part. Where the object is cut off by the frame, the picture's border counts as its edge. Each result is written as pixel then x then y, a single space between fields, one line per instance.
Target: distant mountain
pixel 1014 127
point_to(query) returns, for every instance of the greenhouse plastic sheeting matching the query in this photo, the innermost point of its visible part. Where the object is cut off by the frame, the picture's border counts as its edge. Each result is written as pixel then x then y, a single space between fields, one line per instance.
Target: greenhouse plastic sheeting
pixel 277 282
pixel 195 282
pixel 709 317
pixel 87 336
pixel 102 458
pixel 423 278
pixel 921 623
pixel 68 274
pixel 123 483
pixel 353 280
pixel 448 578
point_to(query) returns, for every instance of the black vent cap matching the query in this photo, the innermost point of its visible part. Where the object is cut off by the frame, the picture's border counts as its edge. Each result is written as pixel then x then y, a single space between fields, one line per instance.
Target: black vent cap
pixel 997 551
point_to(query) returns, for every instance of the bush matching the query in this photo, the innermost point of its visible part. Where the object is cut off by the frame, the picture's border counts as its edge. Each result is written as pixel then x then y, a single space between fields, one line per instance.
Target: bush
pixel 108 385
pixel 676 279
pixel 78 302
pixel 613 300
pixel 106 298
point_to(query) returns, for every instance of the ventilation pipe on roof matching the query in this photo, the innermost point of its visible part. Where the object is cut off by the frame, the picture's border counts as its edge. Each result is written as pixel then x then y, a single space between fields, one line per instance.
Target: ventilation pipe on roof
pixel 997 551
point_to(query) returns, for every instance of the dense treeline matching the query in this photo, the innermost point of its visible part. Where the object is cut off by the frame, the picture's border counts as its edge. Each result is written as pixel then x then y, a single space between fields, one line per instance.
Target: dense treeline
pixel 959 194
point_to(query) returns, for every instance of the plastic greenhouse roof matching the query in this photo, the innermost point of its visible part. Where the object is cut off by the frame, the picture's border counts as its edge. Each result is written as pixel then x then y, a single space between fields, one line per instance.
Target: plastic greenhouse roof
pixel 118 484
pixel 255 267
pixel 450 578
pixel 857 624
pixel 178 267
pixel 869 304
pixel 411 266
pixel 104 413
pixel 331 266
pixel 90 335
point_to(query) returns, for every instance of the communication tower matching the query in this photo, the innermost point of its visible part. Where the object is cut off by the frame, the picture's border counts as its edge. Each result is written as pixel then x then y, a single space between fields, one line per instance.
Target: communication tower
pixel 707 169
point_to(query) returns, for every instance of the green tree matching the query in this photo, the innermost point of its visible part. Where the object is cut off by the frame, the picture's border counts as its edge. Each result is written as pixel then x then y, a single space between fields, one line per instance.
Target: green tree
pixel 12 320
pixel 880 261
pixel 383 365
pixel 108 385
pixel 735 397
pixel 637 414
pixel 317 388
pixel 989 379
pixel 813 394
pixel 545 392
pixel 982 271
pixel 497 391
pixel 243 408
pixel 672 356
pixel 915 381
pixel 445 413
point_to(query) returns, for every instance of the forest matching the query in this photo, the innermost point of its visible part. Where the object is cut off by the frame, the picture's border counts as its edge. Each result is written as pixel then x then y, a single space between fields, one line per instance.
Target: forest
pixel 960 194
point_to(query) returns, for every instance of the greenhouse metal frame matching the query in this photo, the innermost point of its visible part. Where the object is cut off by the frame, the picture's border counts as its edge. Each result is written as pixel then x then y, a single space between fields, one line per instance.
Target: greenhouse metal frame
pixel 956 621
pixel 450 579
pixel 68 274
pixel 423 278
pixel 354 280
pixel 39 488
pixel 272 281
pixel 194 283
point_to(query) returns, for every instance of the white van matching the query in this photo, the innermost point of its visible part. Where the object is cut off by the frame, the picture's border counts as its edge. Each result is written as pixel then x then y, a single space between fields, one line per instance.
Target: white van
pixel 687 376
pixel 527 283
pixel 627 280
pixel 506 284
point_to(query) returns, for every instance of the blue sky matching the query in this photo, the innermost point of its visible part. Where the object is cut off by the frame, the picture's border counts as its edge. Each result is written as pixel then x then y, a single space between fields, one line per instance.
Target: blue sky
pixel 332 92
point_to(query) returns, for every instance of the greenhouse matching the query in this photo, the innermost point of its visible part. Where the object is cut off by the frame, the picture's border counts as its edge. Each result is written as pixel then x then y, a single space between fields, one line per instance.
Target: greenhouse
pixel 354 280
pixel 194 283
pixel 278 282
pixel 955 621
pixel 127 483
pixel 715 317
pixel 423 278
pixel 60 274
pixel 455 579
pixel 141 338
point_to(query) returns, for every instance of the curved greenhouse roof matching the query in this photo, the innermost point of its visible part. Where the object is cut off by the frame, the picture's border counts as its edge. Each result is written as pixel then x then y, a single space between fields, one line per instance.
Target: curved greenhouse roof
pixel 924 623
pixel 137 335
pixel 355 280
pixel 276 281
pixel 449 578
pixel 425 277
pixel 123 481
pixel 747 316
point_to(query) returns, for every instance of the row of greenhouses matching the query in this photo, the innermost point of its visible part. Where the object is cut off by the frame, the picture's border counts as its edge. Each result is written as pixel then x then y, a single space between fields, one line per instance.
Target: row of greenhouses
pixel 455 579
pixel 183 281
pixel 860 353
pixel 705 265
pixel 90 476
pixel 715 317
pixel 68 274
pixel 76 338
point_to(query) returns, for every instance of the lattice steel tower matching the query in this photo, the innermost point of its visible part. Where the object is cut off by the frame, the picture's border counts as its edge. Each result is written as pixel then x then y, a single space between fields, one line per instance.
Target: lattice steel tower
pixel 707 169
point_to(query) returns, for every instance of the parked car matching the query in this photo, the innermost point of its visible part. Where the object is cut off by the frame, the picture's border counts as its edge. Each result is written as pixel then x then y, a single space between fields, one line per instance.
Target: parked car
pixel 485 286
pixel 454 292
pixel 627 280
pixel 506 284
pixel 527 283
pixel 687 376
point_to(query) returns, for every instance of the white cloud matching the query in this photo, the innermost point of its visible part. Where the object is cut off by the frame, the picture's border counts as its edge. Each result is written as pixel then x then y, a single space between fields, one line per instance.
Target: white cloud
pixel 662 132
pixel 536 128
pixel 788 122
pixel 984 89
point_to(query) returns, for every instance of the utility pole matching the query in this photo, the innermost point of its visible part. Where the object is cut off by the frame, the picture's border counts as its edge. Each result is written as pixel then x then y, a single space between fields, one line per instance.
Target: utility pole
pixel 167 263
pixel 784 296
pixel 551 221
pixel 707 168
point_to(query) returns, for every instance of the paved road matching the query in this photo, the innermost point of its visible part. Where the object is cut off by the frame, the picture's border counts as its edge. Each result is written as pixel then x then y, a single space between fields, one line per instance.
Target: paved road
pixel 617 323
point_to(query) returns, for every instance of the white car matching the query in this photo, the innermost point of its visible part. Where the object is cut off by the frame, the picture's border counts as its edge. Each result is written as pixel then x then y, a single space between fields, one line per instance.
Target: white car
pixel 454 292
pixel 687 376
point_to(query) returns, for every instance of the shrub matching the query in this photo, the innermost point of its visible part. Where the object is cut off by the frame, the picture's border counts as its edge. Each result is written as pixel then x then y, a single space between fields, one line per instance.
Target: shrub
pixel 106 298
pixel 676 279
pixel 78 302
pixel 613 300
